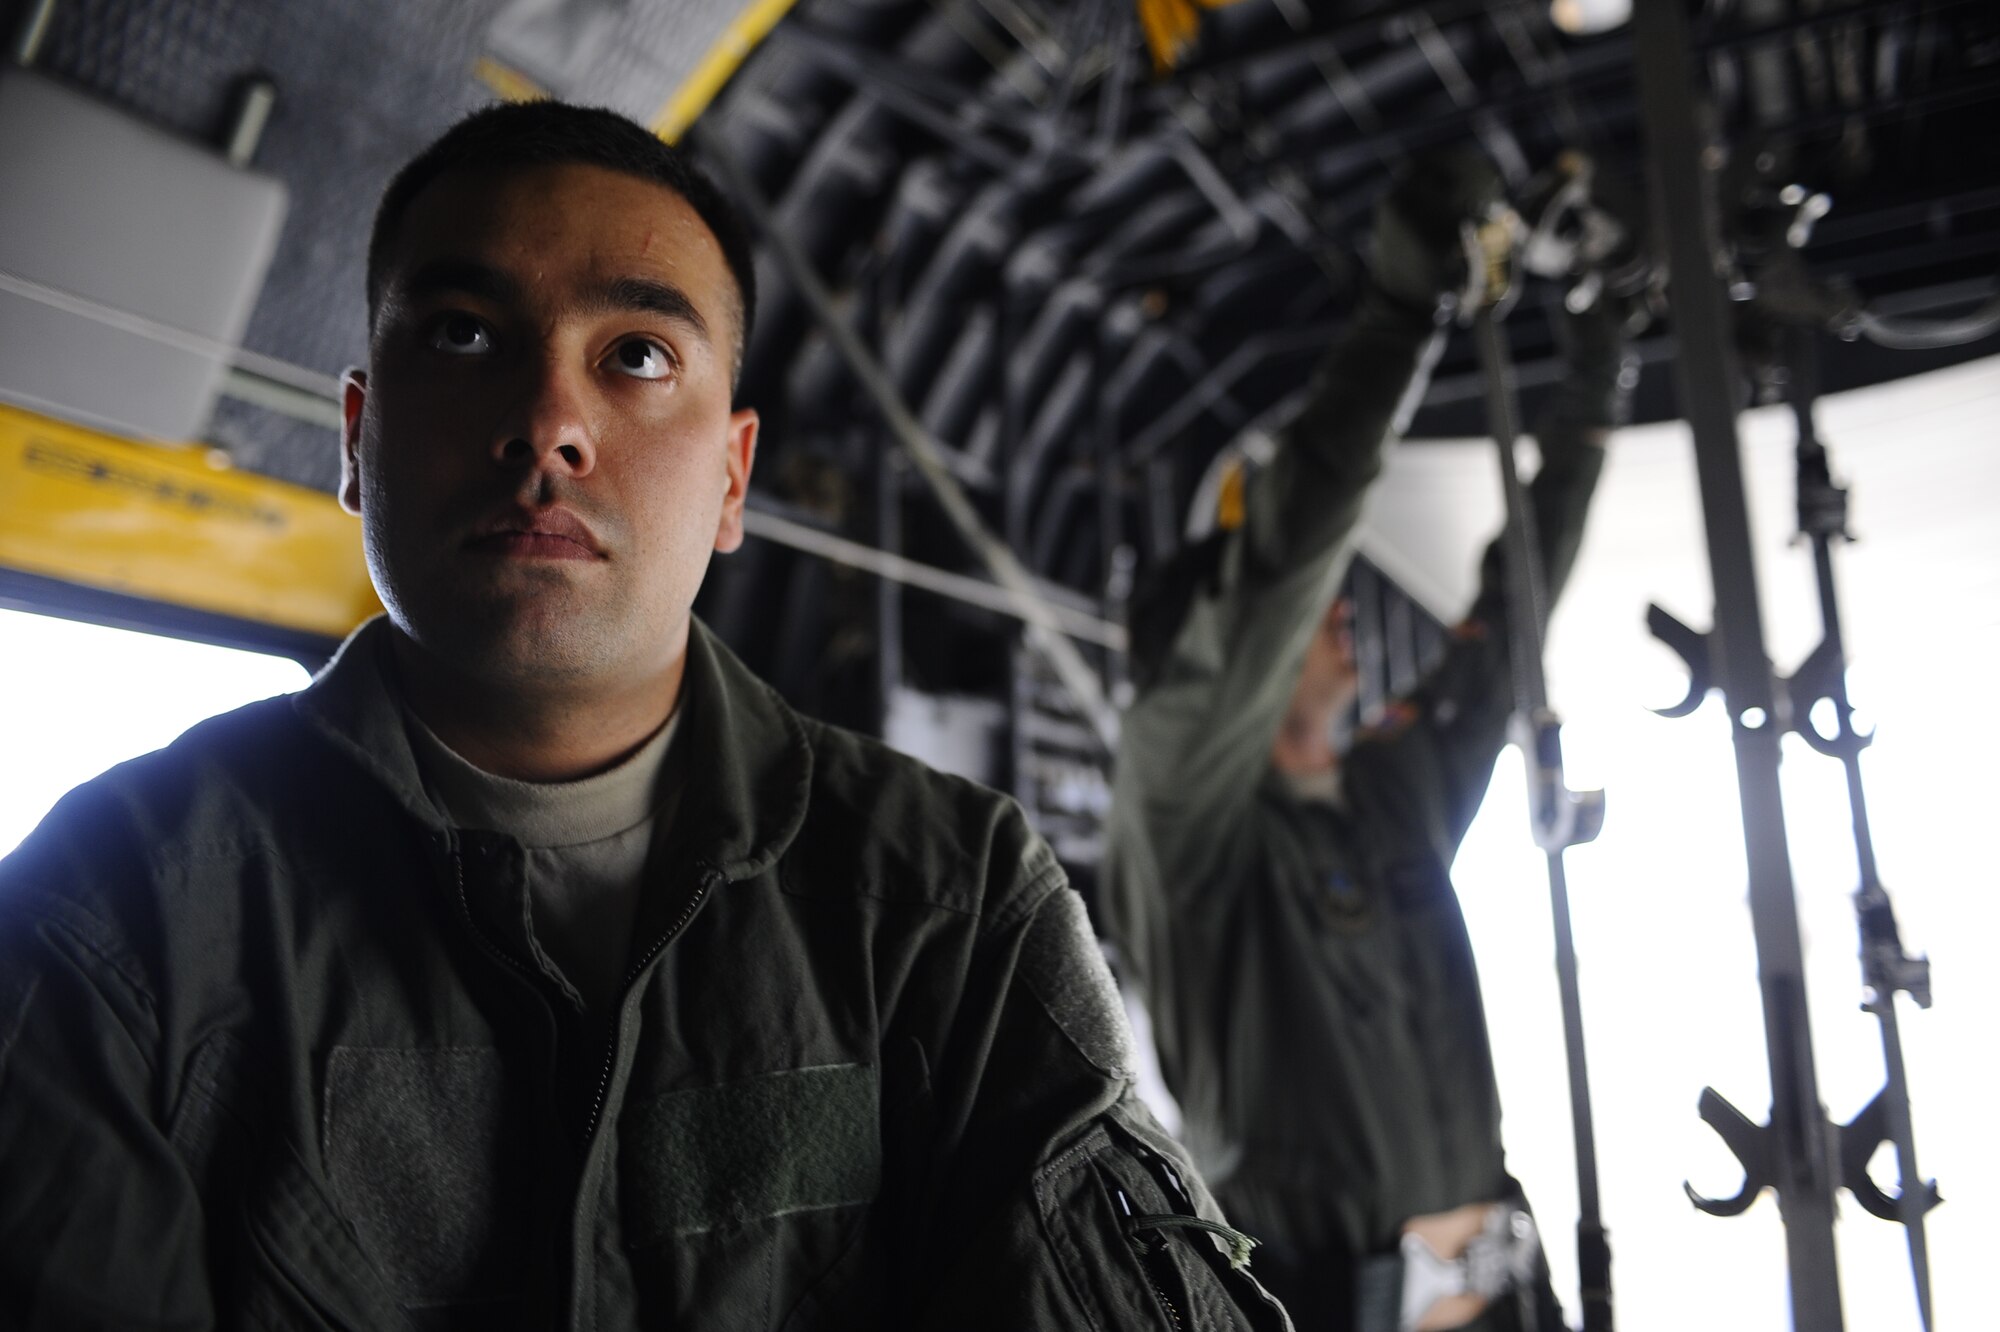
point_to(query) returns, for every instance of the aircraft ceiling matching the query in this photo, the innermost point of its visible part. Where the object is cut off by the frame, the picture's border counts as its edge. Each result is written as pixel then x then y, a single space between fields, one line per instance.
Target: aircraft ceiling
pixel 1084 278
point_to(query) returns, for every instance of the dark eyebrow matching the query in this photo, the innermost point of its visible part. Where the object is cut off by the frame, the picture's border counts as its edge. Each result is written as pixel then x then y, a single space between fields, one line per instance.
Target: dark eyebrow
pixel 627 294
pixel 461 275
pixel 647 296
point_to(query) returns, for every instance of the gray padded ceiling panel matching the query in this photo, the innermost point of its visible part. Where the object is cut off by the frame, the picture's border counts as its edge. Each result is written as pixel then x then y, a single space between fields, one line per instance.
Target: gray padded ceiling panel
pixel 854 104
pixel 362 85
pixel 98 205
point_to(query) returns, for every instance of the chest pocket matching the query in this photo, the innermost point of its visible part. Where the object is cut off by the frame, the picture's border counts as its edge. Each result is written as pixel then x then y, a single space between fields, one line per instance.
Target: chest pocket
pixel 747 1197
pixel 425 1157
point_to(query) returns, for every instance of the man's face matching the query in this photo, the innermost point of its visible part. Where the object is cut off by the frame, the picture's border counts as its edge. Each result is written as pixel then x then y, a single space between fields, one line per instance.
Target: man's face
pixel 1330 678
pixel 1328 682
pixel 543 453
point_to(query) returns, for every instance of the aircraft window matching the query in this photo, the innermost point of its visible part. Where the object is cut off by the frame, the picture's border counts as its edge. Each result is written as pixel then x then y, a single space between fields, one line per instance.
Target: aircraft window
pixel 76 699
pixel 1669 979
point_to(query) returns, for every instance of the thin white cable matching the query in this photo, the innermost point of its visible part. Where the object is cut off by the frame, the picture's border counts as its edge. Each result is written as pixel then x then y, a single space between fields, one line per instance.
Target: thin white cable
pixel 960 587
pixel 270 367
pixel 1086 690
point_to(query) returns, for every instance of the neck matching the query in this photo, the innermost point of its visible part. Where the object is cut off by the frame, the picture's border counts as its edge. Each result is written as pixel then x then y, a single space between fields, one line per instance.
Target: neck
pixel 536 734
pixel 1303 746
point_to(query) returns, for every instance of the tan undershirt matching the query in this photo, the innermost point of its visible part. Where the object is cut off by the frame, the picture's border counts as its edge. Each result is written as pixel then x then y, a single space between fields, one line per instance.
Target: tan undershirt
pixel 587 844
pixel 1318 788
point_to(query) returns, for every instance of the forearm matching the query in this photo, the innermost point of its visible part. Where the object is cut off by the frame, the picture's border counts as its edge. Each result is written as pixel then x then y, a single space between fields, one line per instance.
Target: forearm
pixel 1589 402
pixel 1307 502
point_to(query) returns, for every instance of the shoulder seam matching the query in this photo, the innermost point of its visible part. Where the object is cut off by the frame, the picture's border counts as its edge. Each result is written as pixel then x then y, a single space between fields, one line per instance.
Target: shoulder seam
pixel 91 934
pixel 1050 880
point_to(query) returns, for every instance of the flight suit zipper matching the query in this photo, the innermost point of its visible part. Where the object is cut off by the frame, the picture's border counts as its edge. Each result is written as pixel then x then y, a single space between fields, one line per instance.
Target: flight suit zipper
pixel 709 879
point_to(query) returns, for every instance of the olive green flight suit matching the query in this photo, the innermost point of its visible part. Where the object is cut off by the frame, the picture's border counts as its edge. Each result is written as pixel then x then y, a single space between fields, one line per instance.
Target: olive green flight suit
pixel 1307 969
pixel 280 1048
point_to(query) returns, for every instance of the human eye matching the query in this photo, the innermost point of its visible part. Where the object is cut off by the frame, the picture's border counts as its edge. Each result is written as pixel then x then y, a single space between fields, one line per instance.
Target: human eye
pixel 641 358
pixel 460 334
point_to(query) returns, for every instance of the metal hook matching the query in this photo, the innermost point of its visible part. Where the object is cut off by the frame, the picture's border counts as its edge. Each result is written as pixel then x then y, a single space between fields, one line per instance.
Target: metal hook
pixel 1747 1140
pixel 1817 678
pixel 1693 650
pixel 1562 817
pixel 1859 1138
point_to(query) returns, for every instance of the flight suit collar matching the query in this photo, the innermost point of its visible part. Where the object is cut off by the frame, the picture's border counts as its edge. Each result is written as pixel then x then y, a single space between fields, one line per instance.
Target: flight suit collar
pixel 749 762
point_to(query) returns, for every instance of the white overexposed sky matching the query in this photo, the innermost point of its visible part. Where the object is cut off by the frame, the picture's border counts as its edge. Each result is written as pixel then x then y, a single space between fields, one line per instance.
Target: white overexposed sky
pixel 77 698
pixel 1667 961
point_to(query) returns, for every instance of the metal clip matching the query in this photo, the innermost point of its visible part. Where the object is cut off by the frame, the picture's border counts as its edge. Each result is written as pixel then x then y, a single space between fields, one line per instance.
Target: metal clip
pixel 1693 650
pixel 1749 1141
pixel 1562 817
pixel 1818 677
pixel 1859 1139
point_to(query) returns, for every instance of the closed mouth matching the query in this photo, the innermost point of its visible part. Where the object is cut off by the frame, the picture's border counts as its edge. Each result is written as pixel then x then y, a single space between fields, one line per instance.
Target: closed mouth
pixel 545 534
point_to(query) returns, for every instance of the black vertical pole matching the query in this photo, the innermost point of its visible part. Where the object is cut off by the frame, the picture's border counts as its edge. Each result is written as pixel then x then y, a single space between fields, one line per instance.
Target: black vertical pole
pixel 1886 969
pixel 1561 818
pixel 1799 1138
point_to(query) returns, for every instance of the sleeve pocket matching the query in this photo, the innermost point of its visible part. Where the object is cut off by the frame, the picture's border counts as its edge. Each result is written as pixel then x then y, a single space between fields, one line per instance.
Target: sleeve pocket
pixel 1132 1250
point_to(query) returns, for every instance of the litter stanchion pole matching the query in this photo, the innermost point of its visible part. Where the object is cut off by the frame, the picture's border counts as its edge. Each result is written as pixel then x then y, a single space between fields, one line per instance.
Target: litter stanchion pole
pixel 1794 1152
pixel 1561 818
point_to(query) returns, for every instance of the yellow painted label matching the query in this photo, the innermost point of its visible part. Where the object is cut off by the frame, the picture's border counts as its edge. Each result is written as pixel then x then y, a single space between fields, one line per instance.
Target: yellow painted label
pixel 508 84
pixel 1171 27
pixel 738 40
pixel 1229 500
pixel 167 523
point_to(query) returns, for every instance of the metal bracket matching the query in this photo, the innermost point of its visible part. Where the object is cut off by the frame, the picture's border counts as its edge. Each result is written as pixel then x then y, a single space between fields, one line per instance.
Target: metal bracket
pixel 1859 1139
pixel 1750 1143
pixel 1795 695
pixel 1817 678
pixel 1692 647
pixel 1852 1145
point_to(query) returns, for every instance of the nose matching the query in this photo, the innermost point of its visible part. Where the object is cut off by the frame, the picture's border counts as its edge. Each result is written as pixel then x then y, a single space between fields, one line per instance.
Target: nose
pixel 548 427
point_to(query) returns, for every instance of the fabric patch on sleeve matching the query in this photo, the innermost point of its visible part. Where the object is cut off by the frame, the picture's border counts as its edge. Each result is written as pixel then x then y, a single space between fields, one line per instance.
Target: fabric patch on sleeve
pixel 419 1155
pixel 1064 967
pixel 797 1140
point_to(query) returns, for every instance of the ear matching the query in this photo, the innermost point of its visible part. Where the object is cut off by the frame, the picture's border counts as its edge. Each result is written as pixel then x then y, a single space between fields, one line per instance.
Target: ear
pixel 741 454
pixel 353 397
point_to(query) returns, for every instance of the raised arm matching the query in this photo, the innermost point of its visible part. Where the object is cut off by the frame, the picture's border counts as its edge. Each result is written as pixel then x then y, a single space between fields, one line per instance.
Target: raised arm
pixel 1433 757
pixel 1216 677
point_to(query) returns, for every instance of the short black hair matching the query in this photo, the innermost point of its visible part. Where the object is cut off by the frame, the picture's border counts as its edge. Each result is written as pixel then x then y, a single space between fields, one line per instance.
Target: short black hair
pixel 550 133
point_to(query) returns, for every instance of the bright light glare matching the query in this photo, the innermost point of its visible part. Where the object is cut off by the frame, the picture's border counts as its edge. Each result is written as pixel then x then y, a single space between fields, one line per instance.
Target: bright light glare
pixel 1668 966
pixel 79 698
pixel 1584 18
pixel 1668 973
